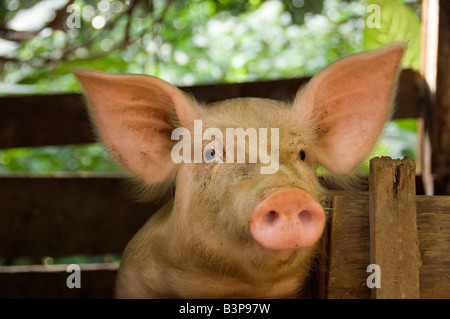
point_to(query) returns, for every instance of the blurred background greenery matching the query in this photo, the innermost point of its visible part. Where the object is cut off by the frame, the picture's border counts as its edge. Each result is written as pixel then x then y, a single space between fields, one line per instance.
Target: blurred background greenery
pixel 186 43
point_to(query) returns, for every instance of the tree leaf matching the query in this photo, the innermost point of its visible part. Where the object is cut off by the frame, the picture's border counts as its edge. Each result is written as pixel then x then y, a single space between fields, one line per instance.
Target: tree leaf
pixel 398 23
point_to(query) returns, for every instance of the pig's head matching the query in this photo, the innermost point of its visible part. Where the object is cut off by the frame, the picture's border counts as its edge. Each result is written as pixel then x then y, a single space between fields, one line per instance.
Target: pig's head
pixel 231 214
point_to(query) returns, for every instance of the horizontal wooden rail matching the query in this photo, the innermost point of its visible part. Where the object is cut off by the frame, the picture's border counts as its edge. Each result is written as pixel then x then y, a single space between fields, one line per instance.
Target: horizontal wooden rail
pixel 67 215
pixel 59 119
pixel 349 251
pixel 38 281
pixel 403 236
pixel 348 255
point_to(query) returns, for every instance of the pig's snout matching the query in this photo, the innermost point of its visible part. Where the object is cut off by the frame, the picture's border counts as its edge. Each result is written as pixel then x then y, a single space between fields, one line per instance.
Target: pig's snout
pixel 287 219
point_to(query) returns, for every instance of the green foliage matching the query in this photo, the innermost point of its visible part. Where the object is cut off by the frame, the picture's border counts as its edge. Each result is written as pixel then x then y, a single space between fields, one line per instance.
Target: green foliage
pixel 398 23
pixel 191 42
pixel 188 42
pixel 55 260
pixel 399 139
pixel 50 159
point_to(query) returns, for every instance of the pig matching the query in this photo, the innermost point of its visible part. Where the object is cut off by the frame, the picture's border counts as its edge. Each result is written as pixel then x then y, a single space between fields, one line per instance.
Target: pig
pixel 229 231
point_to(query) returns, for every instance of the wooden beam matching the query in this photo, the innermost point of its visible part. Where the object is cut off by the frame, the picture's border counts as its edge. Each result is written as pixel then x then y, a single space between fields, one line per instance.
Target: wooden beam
pixel 284 89
pixel 60 119
pixel 428 69
pixel 440 138
pixel 433 229
pixel 393 227
pixel 412 96
pixel 38 120
pixel 349 251
pixel 49 282
pixel 60 216
pixel 348 255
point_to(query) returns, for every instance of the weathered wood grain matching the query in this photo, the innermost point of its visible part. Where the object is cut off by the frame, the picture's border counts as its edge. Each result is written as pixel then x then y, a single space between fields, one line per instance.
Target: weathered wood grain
pixel 347 259
pixel 349 251
pixel 393 227
pixel 433 228
pixel 349 247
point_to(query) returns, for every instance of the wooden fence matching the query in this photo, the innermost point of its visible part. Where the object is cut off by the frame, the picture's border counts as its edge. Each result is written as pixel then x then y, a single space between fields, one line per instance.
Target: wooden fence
pixel 406 235
pixel 92 215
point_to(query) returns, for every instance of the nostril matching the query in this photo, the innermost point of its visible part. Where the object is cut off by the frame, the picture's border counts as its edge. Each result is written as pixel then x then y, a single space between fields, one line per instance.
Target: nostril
pixel 288 218
pixel 271 216
pixel 305 216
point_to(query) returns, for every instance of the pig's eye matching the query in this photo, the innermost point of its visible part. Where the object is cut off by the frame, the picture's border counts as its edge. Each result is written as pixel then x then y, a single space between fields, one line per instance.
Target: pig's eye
pixel 212 152
pixel 209 154
pixel 302 155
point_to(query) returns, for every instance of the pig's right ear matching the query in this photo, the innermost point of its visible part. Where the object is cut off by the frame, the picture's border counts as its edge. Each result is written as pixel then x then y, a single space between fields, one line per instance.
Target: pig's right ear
pixel 135 115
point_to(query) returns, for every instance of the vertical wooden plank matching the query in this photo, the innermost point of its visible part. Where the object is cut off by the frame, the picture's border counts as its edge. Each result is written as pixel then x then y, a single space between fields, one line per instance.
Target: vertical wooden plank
pixel 429 42
pixel 428 69
pixel 393 227
pixel 441 117
pixel 349 247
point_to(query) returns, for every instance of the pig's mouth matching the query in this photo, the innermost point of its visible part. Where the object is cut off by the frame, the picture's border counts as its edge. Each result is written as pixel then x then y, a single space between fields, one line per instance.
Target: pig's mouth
pixel 282 256
pixel 277 264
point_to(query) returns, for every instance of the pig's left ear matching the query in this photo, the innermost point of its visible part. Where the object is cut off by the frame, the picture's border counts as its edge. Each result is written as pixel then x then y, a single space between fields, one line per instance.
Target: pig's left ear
pixel 349 102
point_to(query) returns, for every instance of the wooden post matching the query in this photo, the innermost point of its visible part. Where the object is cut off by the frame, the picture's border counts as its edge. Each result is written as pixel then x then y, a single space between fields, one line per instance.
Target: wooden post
pixel 440 137
pixel 428 69
pixel 393 227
